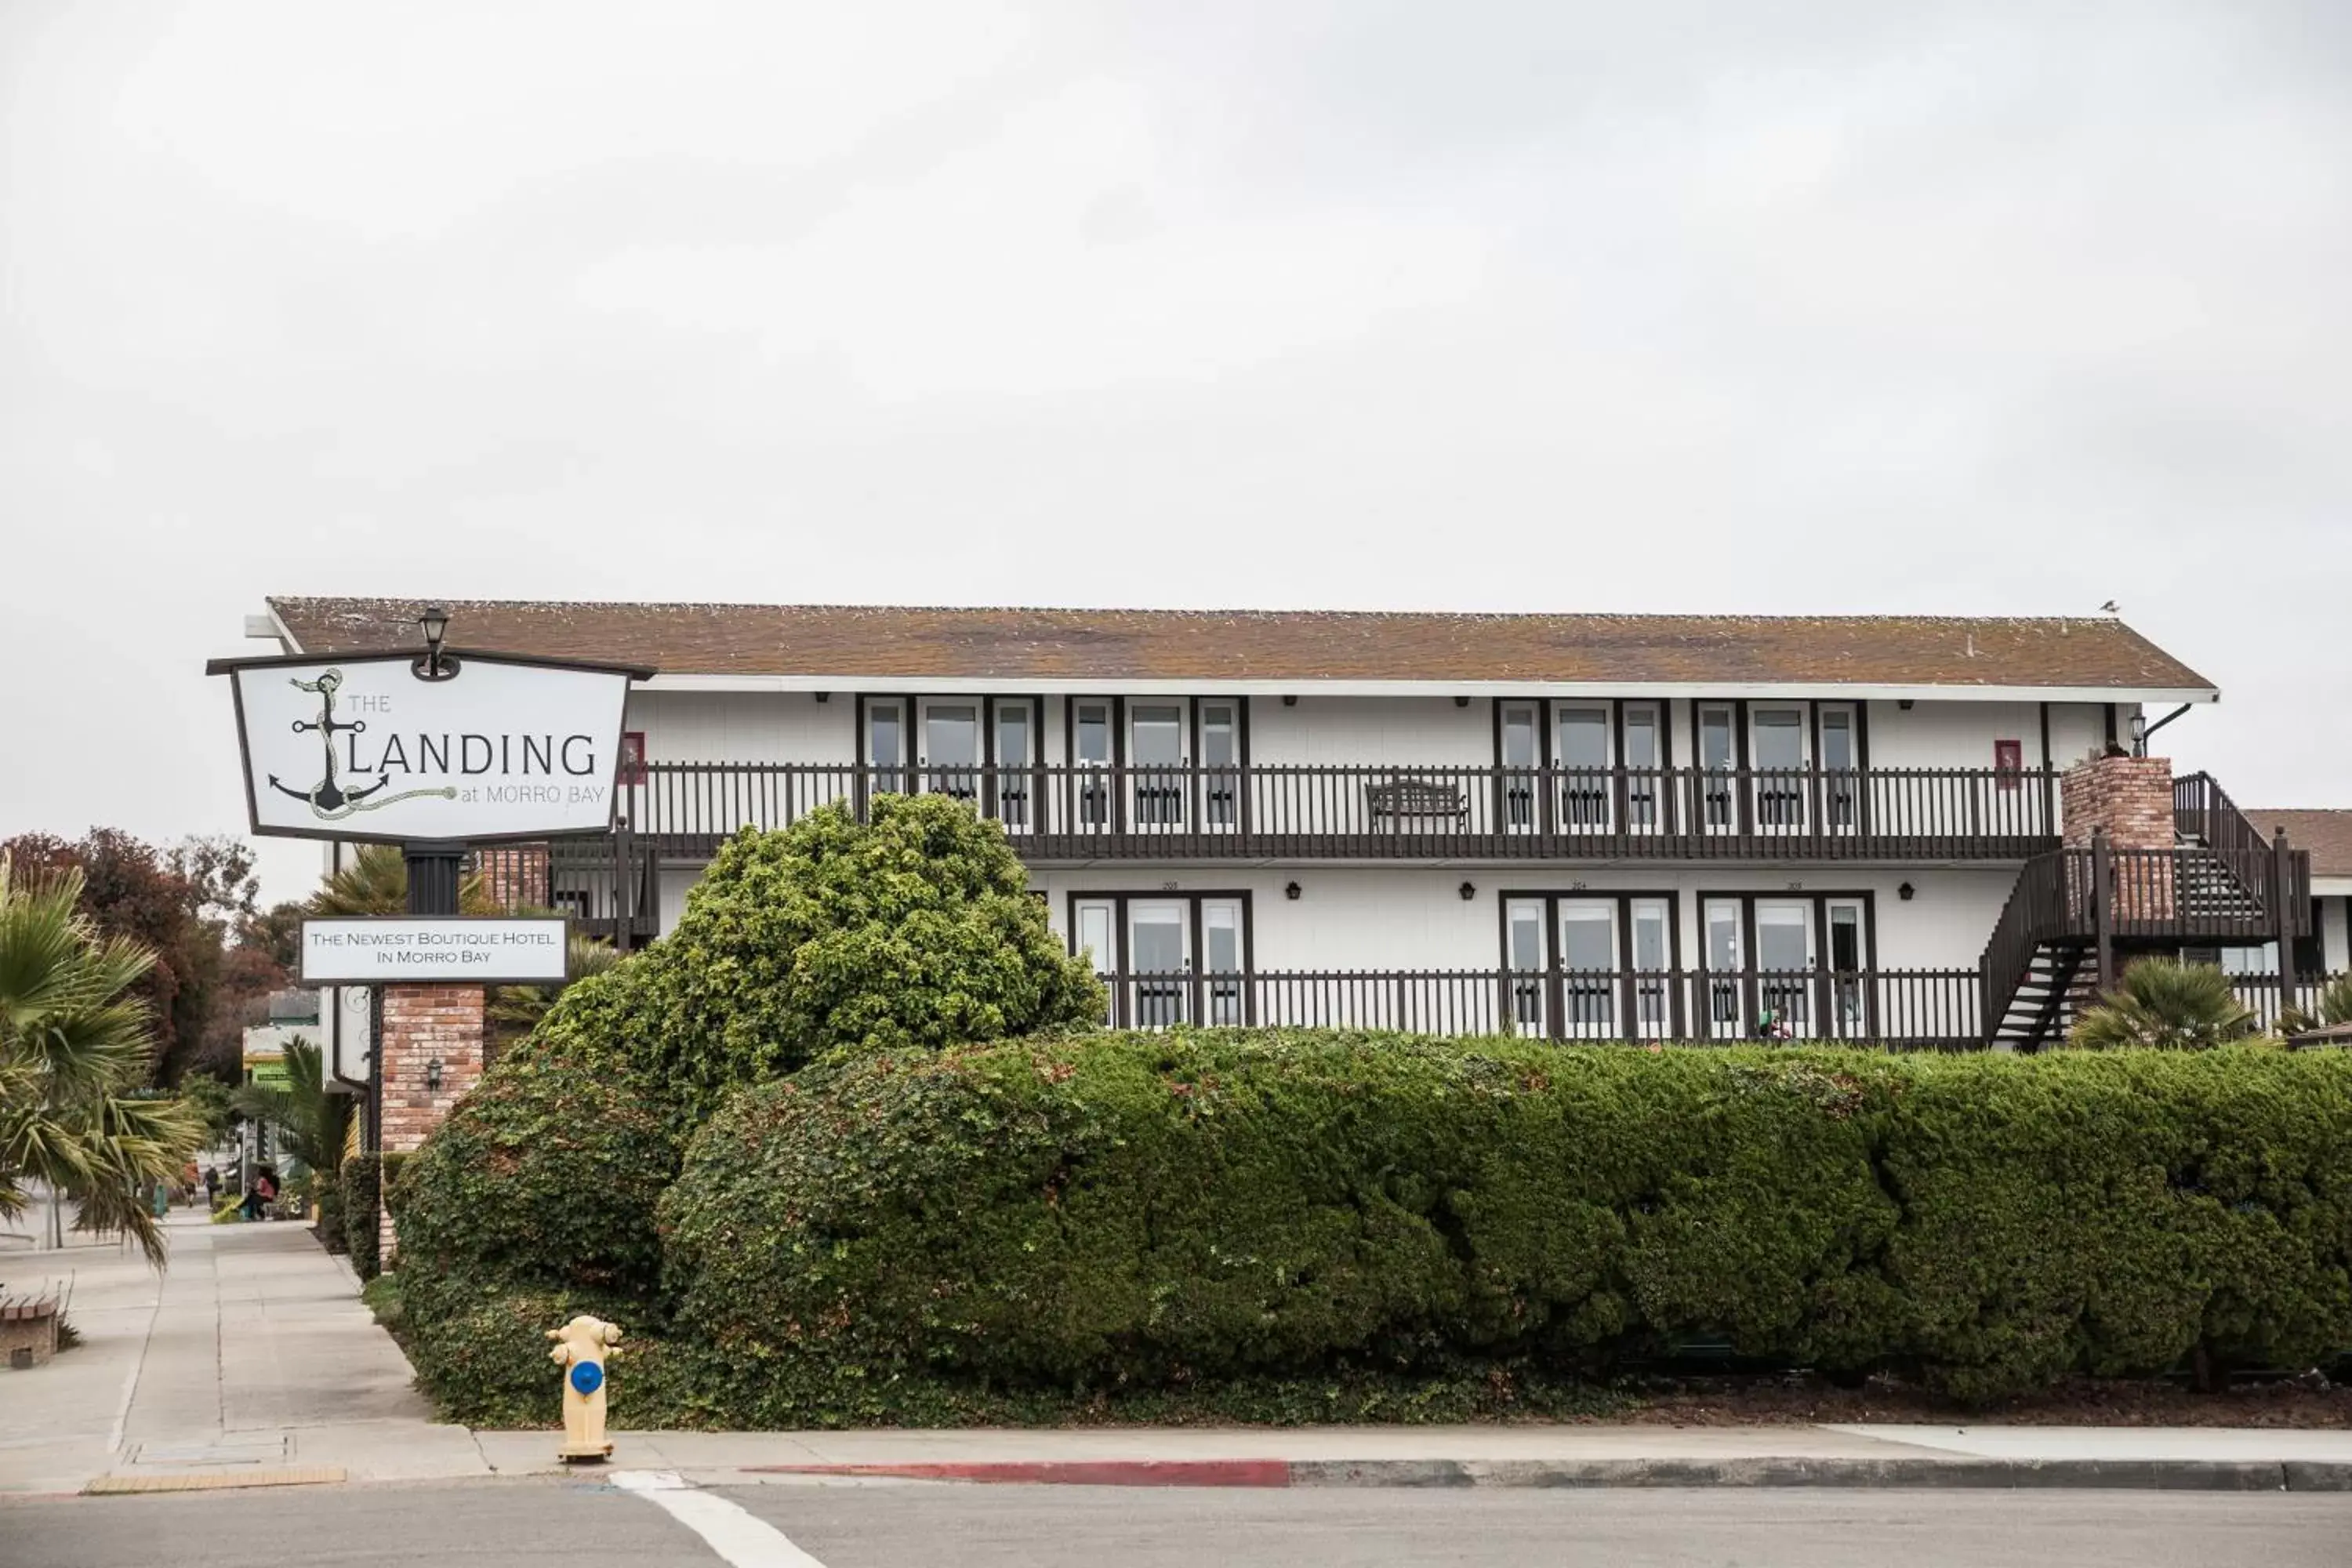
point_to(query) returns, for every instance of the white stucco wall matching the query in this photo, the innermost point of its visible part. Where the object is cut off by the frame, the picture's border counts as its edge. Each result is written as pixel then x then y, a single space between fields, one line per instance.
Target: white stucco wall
pixel 1383 918
pixel 1342 731
pixel 744 726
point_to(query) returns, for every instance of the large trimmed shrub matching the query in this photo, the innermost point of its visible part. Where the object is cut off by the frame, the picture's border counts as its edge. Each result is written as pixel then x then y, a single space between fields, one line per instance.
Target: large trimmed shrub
pixel 1112 1212
pixel 915 927
pixel 912 929
pixel 545 1176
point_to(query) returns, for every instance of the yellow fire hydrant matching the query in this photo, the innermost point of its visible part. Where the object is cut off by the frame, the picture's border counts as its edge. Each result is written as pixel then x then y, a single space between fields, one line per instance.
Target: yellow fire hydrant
pixel 582 1346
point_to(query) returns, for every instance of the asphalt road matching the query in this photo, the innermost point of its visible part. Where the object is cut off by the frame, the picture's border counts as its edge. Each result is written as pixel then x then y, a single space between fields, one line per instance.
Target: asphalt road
pixel 586 1525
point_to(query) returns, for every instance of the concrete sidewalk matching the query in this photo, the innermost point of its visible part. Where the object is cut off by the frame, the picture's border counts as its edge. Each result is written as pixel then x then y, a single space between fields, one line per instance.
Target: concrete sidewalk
pixel 252 1361
pixel 251 1354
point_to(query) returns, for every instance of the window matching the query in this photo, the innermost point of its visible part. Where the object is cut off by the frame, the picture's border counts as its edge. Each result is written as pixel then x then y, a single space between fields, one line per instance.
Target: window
pixel 1524 934
pixel 1572 951
pixel 1090 733
pixel 1584 767
pixel 1587 962
pixel 1520 756
pixel 1716 756
pixel 1787 967
pixel 1220 764
pixel 632 769
pixel 950 754
pixel 1156 743
pixel 885 746
pixel 1841 758
pixel 1779 743
pixel 1014 755
pixel 1643 763
pixel 1172 957
pixel 2009 764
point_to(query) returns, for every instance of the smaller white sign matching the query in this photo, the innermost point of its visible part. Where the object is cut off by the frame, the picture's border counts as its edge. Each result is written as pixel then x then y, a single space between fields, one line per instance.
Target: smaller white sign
pixel 467 949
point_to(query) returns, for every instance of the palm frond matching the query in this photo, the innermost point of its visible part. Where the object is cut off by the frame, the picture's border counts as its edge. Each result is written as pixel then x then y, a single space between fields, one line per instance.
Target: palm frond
pixel 2162 1005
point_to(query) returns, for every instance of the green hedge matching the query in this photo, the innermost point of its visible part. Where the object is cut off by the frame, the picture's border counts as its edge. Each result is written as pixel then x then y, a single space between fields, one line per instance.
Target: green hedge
pixel 545 1177
pixel 1116 1211
pixel 362 1176
pixel 330 1229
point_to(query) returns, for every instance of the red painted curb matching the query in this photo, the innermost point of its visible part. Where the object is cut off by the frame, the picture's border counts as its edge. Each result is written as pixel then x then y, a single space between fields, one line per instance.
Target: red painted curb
pixel 1068 1472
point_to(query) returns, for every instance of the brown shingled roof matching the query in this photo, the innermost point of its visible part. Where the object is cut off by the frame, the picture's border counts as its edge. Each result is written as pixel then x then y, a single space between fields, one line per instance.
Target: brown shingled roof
pixel 1278 645
pixel 2326 834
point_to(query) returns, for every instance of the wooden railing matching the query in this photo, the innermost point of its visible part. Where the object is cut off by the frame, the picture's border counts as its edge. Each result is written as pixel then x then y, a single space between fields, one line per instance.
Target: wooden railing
pixel 1919 1009
pixel 1392 812
pixel 2094 895
pixel 2268 998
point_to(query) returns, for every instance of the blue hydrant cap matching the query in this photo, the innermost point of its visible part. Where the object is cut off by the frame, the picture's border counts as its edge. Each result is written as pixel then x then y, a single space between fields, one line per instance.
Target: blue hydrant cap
pixel 587 1377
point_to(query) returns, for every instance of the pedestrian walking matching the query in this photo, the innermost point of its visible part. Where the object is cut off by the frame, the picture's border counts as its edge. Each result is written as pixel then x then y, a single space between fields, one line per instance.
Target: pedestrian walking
pixel 212 1187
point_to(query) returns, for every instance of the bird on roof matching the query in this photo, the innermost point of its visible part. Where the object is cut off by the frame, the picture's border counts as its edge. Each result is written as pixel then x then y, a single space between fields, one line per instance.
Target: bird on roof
pixel 2111 607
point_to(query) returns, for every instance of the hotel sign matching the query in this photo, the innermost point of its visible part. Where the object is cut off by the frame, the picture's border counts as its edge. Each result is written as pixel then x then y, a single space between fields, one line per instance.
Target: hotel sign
pixel 489 950
pixel 498 747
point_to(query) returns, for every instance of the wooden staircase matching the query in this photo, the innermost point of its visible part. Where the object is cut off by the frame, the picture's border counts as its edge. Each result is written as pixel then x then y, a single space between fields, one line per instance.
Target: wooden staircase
pixel 2218 884
pixel 2060 981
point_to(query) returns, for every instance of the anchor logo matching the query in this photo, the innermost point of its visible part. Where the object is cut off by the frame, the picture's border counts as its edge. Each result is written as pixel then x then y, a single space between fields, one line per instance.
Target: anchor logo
pixel 329 800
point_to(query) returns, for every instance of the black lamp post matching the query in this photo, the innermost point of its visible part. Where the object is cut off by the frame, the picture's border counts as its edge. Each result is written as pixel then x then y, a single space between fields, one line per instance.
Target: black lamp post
pixel 433 622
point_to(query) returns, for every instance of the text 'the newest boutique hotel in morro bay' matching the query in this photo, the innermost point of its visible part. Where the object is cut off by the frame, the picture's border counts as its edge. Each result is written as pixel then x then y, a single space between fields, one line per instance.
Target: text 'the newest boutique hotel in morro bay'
pixel 1921 831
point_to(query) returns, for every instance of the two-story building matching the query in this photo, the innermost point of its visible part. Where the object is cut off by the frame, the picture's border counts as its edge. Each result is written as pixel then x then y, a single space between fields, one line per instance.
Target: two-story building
pixel 1580 827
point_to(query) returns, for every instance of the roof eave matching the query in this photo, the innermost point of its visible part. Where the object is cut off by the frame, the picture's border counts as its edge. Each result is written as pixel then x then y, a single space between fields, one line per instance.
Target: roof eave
pixel 1284 685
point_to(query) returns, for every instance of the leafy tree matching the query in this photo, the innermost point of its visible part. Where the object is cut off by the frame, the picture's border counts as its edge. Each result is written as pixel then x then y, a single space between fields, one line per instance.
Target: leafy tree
pixel 2168 1005
pixel 76 1049
pixel 276 933
pixel 311 1121
pixel 208 1100
pixel 184 905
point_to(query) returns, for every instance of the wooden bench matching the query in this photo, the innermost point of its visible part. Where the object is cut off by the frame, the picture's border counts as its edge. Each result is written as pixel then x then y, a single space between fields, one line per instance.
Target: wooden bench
pixel 1403 798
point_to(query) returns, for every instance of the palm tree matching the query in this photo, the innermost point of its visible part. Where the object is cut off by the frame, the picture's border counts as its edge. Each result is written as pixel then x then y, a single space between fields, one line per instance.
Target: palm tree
pixel 376 883
pixel 2334 1006
pixel 310 1121
pixel 2166 1005
pixel 515 1011
pixel 75 1052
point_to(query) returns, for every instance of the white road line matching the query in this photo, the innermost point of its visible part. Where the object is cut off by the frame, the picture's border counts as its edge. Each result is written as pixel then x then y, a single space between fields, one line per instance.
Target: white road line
pixel 739 1538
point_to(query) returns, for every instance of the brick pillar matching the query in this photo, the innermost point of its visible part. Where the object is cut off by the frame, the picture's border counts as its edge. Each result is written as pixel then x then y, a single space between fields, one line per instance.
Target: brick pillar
pixel 422 1025
pixel 2131 799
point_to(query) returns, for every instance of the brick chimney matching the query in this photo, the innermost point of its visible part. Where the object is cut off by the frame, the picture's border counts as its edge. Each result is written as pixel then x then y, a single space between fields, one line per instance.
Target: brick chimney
pixel 2131 798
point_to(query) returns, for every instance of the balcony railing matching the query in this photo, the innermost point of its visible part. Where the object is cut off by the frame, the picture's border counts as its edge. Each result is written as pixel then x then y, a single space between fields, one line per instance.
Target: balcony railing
pixel 1916 1009
pixel 683 809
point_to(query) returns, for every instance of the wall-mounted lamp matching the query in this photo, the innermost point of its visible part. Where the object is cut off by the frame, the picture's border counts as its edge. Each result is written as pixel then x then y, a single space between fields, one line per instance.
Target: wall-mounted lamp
pixel 1906 892
pixel 1904 703
pixel 1468 892
pixel 433 622
pixel 432 1073
pixel 824 697
pixel 1462 702
pixel 1290 892
pixel 1291 700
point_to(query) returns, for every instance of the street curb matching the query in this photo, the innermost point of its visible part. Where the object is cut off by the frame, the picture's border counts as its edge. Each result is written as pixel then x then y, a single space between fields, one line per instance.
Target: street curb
pixel 1969 1474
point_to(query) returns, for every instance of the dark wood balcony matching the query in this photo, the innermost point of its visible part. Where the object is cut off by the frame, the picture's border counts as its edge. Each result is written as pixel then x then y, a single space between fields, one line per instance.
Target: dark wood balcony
pixel 682 810
pixel 1913 1009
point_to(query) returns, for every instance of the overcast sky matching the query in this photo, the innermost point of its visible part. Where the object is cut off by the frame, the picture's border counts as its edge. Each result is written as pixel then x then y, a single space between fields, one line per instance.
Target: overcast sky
pixel 1935 307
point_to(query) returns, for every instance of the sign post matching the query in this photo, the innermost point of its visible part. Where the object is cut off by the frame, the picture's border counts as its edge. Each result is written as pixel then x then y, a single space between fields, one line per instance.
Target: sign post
pixel 435 752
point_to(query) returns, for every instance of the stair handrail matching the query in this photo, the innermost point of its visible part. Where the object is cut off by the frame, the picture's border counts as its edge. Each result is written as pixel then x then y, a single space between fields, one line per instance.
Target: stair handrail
pixel 2202 809
pixel 2037 910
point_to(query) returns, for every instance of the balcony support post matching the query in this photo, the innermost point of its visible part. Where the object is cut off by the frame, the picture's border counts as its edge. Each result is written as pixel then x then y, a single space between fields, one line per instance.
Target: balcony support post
pixel 2102 908
pixel 2283 913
